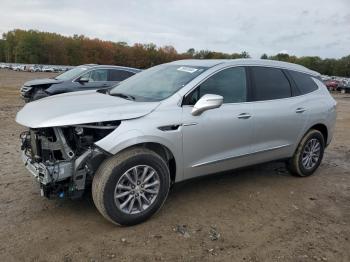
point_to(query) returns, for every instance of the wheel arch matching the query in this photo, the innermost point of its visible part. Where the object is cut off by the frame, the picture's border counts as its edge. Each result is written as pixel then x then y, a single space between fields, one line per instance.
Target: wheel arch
pixel 322 128
pixel 163 151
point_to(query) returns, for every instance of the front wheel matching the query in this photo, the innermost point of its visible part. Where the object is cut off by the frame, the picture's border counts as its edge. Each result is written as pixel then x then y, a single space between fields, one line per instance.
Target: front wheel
pixel 130 187
pixel 308 155
pixel 39 94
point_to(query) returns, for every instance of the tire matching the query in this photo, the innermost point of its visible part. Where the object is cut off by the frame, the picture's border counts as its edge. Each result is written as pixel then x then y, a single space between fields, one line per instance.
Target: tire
pixel 113 170
pixel 295 165
pixel 39 94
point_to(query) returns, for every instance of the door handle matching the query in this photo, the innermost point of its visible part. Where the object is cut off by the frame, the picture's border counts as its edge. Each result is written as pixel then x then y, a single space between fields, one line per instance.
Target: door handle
pixel 244 116
pixel 300 110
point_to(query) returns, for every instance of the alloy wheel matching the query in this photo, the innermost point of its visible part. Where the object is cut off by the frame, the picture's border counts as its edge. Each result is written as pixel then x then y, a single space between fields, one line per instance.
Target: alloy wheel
pixel 137 189
pixel 311 153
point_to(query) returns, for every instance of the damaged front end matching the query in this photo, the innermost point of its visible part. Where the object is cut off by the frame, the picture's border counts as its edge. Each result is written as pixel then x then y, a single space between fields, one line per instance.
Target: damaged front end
pixel 64 159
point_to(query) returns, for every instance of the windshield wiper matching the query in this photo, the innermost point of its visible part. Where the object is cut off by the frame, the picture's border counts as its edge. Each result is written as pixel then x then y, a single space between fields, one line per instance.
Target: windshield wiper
pixel 129 97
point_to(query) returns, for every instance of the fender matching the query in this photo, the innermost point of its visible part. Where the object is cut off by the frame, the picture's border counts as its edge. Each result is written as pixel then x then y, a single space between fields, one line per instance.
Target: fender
pixel 134 137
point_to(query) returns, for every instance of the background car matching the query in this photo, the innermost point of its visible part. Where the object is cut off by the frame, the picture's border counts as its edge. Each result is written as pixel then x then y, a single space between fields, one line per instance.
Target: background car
pixel 331 84
pixel 35 68
pixel 345 86
pixel 84 77
pixel 19 68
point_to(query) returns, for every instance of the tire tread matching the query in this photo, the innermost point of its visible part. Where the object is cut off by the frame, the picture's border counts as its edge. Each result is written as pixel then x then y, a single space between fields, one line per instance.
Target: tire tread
pixel 104 172
pixel 293 163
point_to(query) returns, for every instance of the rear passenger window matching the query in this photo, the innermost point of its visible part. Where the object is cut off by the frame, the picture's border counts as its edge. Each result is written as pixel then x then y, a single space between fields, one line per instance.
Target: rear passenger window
pixel 270 83
pixel 119 75
pixel 304 82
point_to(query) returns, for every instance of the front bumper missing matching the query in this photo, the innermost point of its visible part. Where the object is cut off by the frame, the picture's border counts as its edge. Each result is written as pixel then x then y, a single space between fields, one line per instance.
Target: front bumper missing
pixel 46 174
pixel 25 90
pixel 67 176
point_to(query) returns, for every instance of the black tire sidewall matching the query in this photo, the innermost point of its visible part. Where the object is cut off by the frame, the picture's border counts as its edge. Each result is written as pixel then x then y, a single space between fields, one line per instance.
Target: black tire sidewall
pixel 108 196
pixel 317 135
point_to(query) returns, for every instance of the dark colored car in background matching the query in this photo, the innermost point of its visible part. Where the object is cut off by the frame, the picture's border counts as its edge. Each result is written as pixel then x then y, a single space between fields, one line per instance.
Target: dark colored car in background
pixel 84 77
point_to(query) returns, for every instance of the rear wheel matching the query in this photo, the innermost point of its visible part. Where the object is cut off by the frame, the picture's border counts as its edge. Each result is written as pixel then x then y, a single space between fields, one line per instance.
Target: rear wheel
pixel 308 155
pixel 130 187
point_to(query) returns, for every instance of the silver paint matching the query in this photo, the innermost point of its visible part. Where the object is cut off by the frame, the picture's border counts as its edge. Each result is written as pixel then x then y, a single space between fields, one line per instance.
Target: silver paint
pixel 230 136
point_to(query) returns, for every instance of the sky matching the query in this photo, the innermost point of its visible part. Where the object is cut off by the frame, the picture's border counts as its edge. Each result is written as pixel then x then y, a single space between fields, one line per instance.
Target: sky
pixel 297 27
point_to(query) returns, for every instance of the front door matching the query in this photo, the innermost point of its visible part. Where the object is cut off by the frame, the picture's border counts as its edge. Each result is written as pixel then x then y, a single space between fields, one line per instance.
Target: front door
pixel 98 78
pixel 218 139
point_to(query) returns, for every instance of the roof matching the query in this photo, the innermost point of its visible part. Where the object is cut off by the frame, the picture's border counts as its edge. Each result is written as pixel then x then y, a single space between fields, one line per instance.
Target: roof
pixel 135 70
pixel 246 61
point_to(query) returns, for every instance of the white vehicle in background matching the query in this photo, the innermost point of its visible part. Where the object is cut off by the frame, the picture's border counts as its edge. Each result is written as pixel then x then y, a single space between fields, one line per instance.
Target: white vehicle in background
pixel 14 68
pixel 19 68
pixel 345 85
pixel 48 69
pixel 35 68
pixel 325 78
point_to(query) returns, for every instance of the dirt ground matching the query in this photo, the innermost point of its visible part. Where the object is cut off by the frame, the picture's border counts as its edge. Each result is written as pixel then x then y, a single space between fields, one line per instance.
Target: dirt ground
pixel 255 214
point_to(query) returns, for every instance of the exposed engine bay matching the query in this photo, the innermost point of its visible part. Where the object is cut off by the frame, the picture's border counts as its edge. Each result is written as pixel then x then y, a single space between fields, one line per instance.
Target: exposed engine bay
pixel 64 159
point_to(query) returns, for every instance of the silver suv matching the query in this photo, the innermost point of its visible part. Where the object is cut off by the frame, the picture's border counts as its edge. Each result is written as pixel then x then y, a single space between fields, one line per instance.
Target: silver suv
pixel 174 122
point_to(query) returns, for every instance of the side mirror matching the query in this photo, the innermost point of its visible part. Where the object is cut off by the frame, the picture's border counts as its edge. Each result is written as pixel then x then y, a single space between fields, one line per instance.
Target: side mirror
pixel 207 102
pixel 83 80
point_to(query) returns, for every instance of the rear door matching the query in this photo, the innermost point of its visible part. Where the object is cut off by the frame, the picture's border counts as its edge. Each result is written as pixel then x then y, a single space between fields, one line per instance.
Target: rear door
pixel 278 115
pixel 118 75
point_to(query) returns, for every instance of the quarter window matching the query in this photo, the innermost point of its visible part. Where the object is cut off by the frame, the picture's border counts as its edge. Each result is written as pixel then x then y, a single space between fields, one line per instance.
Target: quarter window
pixel 229 83
pixel 304 82
pixel 119 75
pixel 269 83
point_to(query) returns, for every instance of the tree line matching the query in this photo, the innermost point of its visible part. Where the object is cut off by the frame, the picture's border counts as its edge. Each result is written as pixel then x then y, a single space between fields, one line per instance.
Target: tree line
pixel 328 66
pixel 35 47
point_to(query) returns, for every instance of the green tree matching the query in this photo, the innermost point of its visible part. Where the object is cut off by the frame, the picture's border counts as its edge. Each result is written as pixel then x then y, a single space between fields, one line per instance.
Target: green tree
pixel 31 46
pixel 245 54
pixel 191 52
pixel 2 50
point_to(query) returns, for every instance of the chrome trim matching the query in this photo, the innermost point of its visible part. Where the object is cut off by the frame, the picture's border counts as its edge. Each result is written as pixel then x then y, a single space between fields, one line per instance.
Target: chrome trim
pixel 244 116
pixel 300 110
pixel 245 68
pixel 190 124
pixel 239 156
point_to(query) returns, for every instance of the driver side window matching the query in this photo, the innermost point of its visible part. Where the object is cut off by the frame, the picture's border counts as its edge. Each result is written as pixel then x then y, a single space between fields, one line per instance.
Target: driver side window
pixel 229 83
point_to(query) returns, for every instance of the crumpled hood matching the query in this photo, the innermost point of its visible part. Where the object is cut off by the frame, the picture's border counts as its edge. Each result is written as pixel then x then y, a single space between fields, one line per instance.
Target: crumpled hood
pixel 43 81
pixel 80 108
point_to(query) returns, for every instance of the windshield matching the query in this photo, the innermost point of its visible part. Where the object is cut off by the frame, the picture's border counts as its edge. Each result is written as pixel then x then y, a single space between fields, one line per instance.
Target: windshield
pixel 72 73
pixel 157 83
